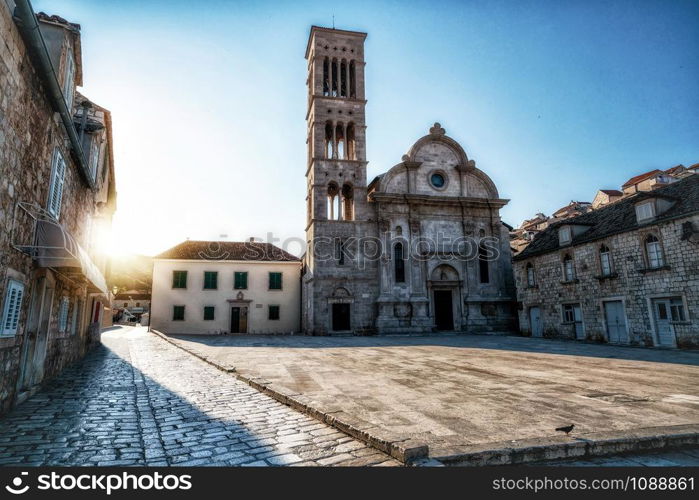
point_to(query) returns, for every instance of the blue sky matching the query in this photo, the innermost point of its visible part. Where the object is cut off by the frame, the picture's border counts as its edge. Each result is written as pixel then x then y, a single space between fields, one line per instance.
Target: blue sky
pixel 552 99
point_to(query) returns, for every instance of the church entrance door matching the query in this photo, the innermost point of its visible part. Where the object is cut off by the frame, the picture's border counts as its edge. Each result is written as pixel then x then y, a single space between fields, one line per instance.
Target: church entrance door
pixel 341 317
pixel 443 310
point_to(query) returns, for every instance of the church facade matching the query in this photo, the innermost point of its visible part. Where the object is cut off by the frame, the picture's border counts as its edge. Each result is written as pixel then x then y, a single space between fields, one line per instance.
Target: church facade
pixel 419 248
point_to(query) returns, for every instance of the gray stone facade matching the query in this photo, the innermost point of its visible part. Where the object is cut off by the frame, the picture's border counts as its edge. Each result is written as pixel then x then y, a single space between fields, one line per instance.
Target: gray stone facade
pixel 631 297
pixel 419 248
pixel 50 310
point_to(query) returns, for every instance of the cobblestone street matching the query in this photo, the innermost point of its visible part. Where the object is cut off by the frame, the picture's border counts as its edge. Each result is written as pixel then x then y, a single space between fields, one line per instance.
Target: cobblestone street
pixel 137 400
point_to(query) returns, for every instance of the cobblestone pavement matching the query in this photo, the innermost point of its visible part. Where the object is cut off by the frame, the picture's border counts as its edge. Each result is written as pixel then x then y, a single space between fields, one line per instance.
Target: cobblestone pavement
pixel 138 400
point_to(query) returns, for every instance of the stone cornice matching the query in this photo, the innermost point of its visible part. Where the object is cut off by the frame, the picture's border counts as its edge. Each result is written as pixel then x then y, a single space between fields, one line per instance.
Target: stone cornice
pixel 456 201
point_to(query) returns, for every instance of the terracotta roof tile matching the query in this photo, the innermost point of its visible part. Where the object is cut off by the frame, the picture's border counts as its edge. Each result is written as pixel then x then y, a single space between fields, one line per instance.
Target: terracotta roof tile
pixel 620 216
pixel 227 250
pixel 642 177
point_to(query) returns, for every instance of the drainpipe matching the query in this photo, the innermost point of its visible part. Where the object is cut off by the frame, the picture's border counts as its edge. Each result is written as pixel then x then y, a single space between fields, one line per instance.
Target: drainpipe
pixel 29 27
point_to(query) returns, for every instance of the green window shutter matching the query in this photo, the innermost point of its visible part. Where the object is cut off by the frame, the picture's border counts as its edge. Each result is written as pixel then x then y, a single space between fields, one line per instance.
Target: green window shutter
pixel 179 279
pixel 209 312
pixel 178 313
pixel 210 280
pixel 241 281
pixel 275 281
pixel 273 312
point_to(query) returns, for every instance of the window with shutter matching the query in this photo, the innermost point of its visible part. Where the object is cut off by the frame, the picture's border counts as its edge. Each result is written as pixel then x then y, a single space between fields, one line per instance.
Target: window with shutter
pixel 12 308
pixel 210 280
pixel 178 313
pixel 209 312
pixel 275 281
pixel 241 281
pixel 94 157
pixel 58 173
pixel 179 279
pixel 68 80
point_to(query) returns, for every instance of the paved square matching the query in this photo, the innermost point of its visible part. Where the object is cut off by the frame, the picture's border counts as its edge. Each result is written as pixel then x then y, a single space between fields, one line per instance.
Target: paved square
pixel 454 392
pixel 137 400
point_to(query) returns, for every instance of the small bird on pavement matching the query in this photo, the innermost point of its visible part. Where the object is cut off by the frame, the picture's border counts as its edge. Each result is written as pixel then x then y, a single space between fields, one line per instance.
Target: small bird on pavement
pixel 566 429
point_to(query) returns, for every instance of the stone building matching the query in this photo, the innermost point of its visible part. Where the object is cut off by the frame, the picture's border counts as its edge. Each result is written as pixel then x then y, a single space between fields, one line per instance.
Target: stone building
pixel 625 273
pixel 218 287
pixel 605 197
pixel 133 303
pixel 57 197
pixel 420 247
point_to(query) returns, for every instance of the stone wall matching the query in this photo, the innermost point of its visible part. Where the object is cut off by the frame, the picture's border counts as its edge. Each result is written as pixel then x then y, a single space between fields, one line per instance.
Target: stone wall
pixel 632 283
pixel 30 130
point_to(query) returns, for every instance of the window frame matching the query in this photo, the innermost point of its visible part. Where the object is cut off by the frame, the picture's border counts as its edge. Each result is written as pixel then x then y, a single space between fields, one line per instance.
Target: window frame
pixel 69 80
pixel 569 312
pixel 12 308
pixel 175 310
pixel 568 232
pixel 176 283
pixel 531 275
pixel 56 184
pixel 568 261
pixel 281 280
pixel 272 307
pixel 483 265
pixel 244 276
pixel 652 211
pixel 678 313
pixel 212 310
pixel 656 259
pixel 605 252
pixel 207 276
pixel 399 274
pixel 94 158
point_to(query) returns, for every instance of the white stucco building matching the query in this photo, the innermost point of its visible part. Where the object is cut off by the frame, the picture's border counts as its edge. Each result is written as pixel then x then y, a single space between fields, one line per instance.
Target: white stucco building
pixel 211 287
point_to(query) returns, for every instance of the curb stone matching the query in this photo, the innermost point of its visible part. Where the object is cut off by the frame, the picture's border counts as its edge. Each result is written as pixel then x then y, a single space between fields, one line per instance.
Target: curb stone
pixel 405 451
pixel 531 451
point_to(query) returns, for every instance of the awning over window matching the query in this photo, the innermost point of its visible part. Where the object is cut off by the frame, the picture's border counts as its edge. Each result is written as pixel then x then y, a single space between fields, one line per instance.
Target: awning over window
pixel 54 247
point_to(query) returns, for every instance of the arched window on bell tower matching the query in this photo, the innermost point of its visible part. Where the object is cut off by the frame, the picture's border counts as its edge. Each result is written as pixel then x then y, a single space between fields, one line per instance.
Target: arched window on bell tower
pixel 343 78
pixel 326 76
pixel 333 211
pixel 351 153
pixel 347 202
pixel 352 80
pixel 329 145
pixel 334 78
pixel 340 141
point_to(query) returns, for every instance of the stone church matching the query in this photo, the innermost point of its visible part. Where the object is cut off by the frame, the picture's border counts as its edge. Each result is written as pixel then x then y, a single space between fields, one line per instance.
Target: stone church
pixel 421 247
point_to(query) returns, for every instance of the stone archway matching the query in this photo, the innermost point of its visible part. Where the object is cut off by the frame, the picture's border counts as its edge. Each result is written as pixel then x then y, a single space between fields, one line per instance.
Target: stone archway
pixel 340 310
pixel 444 285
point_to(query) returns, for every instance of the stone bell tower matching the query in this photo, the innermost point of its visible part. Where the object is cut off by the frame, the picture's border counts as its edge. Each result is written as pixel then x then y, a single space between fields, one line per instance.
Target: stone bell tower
pixel 337 210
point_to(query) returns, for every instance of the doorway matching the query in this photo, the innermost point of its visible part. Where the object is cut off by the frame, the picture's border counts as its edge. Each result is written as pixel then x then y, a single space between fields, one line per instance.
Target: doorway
pixel 616 322
pixel 341 317
pixel 535 322
pixel 36 336
pixel 239 319
pixel 663 317
pixel 443 310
